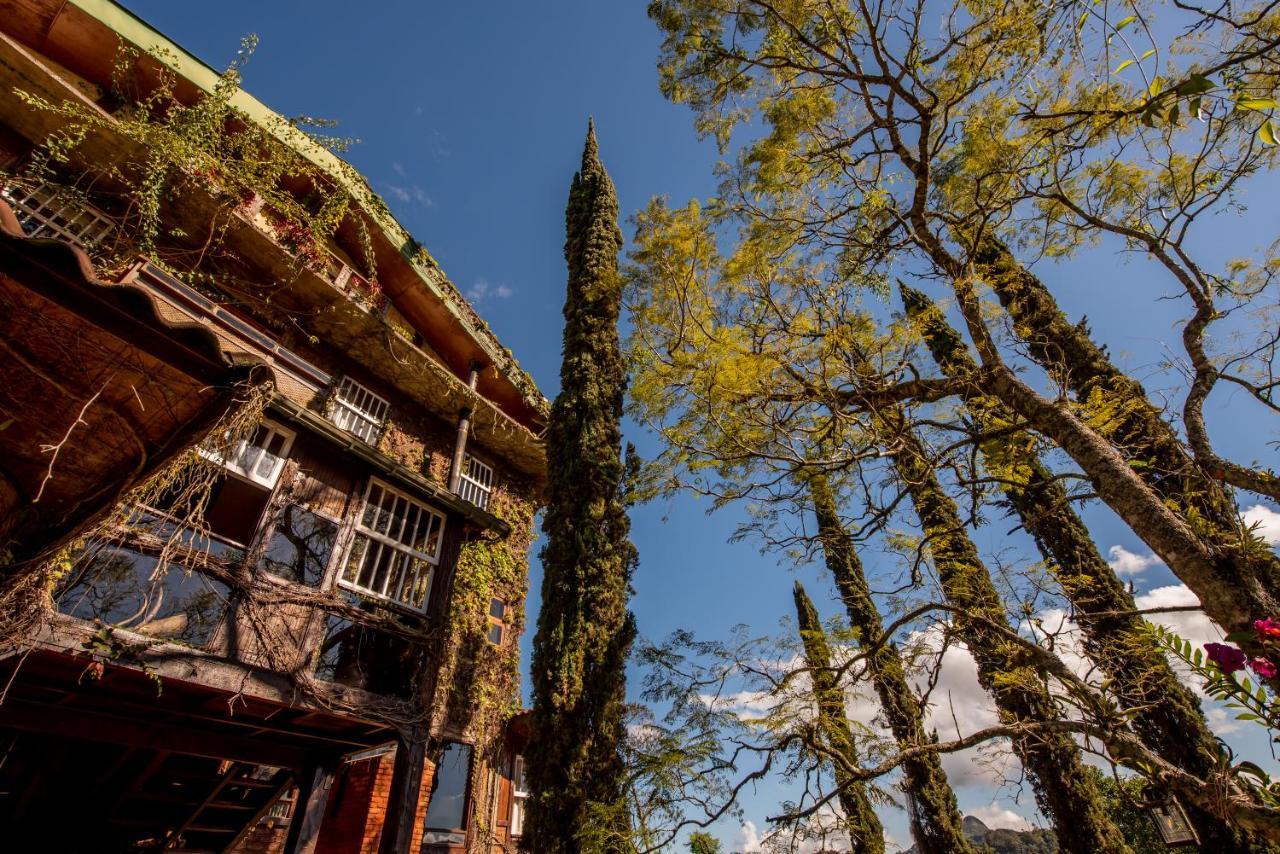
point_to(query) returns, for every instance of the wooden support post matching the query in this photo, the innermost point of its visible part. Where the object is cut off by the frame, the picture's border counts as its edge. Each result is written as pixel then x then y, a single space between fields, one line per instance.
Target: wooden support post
pixel 402 803
pixel 313 794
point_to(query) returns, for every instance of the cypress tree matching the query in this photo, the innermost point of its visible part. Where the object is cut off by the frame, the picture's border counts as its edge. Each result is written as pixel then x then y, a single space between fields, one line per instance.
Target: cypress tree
pixel 865 831
pixel 1166 715
pixel 937 824
pixel 1065 792
pixel 584 629
pixel 1135 425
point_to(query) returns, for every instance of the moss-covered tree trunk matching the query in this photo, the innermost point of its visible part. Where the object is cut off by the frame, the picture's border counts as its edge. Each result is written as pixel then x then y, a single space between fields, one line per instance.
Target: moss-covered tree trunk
pixel 1131 422
pixel 584 630
pixel 1064 792
pixel 1166 715
pixel 937 821
pixel 866 834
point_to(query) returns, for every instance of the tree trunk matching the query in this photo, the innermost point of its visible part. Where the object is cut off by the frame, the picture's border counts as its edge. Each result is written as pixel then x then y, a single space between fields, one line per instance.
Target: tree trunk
pixel 1166 715
pixel 866 834
pixel 1133 424
pixel 1066 795
pixel 937 825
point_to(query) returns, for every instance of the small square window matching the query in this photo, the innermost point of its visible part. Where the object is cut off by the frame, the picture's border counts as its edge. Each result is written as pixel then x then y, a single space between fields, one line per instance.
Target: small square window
pixel 300 546
pixel 495 634
pixel 261 457
pixel 476 483
pixel 359 411
pixel 497 608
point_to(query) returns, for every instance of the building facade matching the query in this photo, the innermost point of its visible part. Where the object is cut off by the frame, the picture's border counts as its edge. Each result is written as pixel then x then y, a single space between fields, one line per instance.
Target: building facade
pixel 269 482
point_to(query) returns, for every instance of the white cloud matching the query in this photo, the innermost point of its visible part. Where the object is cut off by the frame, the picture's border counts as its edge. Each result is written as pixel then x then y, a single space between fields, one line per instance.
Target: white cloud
pixel 1191 625
pixel 748 839
pixel 1222 722
pixel 1267 522
pixel 398 168
pixel 412 193
pixel 995 816
pixel 482 290
pixel 1125 562
pixel 959 706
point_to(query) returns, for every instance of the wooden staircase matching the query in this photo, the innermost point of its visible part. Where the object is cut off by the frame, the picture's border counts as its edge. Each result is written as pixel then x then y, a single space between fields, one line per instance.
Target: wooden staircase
pixel 201 806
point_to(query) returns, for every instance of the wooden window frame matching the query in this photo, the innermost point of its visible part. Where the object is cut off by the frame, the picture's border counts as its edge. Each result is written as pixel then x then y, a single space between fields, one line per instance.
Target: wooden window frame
pixel 377 538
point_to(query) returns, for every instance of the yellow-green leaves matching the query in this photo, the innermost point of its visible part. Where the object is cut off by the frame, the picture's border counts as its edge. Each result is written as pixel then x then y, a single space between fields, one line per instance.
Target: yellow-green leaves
pixel 1267 132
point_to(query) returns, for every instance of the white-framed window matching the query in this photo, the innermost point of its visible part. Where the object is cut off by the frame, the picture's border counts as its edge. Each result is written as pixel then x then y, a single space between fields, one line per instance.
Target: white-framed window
pixel 260 458
pixel 396 547
pixel 476 483
pixel 50 211
pixel 519 796
pixel 359 411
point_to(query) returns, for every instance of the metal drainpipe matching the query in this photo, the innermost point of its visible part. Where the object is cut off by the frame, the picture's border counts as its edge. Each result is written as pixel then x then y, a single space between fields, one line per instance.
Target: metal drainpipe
pixel 464 427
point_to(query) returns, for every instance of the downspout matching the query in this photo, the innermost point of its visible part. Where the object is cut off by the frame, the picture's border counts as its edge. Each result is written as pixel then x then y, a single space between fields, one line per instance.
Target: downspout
pixel 464 428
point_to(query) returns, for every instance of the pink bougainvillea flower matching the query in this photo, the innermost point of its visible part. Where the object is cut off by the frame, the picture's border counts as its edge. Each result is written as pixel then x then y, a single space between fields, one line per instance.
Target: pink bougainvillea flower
pixel 1268 629
pixel 1263 667
pixel 1228 658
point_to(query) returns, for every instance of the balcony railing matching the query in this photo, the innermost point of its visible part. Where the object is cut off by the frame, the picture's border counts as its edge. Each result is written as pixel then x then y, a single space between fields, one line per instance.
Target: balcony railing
pixel 48 210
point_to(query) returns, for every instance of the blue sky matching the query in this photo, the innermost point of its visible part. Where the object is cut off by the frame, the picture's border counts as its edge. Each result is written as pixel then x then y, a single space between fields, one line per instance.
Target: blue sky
pixel 471 119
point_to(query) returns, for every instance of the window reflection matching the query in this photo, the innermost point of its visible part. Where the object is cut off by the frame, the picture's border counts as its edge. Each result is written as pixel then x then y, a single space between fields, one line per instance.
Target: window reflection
pixel 300 546
pixel 447 809
pixel 366 658
pixel 128 589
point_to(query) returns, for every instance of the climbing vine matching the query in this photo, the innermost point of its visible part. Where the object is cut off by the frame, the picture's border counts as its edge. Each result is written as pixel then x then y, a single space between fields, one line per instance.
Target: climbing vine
pixel 207 156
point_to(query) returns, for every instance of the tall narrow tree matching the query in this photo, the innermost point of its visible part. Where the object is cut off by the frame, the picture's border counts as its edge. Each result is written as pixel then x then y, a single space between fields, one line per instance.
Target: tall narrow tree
pixel 866 834
pixel 937 826
pixel 1166 715
pixel 584 630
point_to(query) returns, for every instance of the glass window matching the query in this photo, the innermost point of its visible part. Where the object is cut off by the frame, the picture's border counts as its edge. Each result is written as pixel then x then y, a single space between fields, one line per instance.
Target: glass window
pixel 48 211
pixel 447 809
pixel 259 458
pixel 365 658
pixel 358 411
pixel 519 795
pixel 497 620
pixel 129 589
pixel 396 547
pixel 300 546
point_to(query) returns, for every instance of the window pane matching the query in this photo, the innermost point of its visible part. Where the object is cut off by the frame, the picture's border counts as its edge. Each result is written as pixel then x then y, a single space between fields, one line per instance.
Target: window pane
pixel 366 658
pixel 300 546
pixel 447 808
pixel 123 587
pixel 497 608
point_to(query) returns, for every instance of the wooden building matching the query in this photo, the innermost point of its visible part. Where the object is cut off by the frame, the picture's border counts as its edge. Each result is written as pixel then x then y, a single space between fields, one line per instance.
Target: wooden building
pixel 267 481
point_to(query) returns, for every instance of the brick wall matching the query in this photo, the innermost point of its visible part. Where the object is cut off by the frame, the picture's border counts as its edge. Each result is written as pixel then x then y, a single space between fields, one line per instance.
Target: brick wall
pixel 354 813
pixel 267 837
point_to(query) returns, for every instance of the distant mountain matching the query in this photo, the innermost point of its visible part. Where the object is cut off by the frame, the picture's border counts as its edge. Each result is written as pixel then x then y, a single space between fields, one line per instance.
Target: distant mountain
pixel 1004 841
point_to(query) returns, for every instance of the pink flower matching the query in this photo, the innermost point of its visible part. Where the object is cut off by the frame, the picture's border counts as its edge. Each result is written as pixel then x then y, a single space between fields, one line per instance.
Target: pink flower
pixel 1228 658
pixel 1263 667
pixel 1267 629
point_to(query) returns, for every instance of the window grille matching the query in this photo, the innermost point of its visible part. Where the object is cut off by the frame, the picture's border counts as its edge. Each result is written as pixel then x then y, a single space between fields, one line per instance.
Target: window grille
pixel 49 211
pixel 260 458
pixel 476 482
pixel 396 547
pixel 359 411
